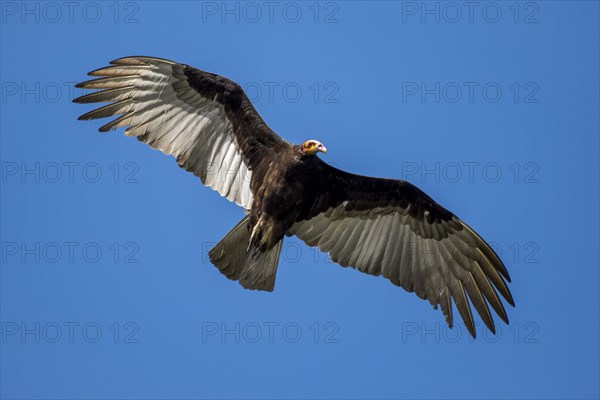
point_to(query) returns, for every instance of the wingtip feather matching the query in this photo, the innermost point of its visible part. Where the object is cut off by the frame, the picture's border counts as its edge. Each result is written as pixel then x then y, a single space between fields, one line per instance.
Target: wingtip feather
pixel 140 60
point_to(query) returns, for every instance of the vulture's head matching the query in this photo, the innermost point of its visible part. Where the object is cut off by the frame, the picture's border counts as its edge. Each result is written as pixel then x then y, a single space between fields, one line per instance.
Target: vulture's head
pixel 312 147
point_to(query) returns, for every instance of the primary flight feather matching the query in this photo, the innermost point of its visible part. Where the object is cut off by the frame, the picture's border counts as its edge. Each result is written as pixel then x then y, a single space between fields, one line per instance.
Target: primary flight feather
pixel 378 226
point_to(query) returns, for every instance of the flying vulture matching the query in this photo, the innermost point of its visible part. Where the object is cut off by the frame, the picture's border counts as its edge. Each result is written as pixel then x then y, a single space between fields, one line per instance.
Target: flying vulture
pixel 378 226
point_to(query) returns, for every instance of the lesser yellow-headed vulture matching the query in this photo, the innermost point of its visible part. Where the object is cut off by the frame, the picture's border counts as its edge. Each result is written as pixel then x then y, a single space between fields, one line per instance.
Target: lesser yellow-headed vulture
pixel 378 226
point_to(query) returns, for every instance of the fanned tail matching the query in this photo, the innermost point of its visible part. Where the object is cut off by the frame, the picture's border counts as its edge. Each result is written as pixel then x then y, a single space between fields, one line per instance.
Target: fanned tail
pixel 254 269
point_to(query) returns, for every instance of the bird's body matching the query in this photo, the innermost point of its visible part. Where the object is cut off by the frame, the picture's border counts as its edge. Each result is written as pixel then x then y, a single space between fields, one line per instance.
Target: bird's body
pixel 379 226
pixel 277 196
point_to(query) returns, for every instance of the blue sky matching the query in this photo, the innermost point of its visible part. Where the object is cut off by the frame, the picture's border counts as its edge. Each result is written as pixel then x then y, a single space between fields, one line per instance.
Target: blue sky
pixel 106 289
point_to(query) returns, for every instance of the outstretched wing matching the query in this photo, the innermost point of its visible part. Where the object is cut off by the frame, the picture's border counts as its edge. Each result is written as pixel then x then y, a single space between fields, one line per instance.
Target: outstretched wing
pixel 391 228
pixel 204 120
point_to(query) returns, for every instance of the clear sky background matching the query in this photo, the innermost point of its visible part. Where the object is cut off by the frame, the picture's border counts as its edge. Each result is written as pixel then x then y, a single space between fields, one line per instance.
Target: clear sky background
pixel 491 108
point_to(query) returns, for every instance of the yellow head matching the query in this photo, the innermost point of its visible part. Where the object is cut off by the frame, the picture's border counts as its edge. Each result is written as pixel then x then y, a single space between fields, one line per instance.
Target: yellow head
pixel 312 147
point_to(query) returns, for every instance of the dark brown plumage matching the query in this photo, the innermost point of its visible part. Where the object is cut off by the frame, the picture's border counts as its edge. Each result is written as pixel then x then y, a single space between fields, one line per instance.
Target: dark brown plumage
pixel 379 226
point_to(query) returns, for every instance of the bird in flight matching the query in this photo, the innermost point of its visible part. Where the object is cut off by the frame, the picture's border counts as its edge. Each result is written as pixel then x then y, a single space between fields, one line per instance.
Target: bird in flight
pixel 378 226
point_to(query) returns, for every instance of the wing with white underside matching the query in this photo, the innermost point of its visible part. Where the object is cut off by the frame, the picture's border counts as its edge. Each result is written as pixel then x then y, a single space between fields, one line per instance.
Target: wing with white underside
pixel 204 120
pixel 391 228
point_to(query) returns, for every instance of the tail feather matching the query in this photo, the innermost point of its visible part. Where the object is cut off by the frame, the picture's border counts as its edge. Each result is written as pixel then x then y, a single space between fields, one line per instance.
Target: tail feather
pixel 254 269
pixel 229 254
